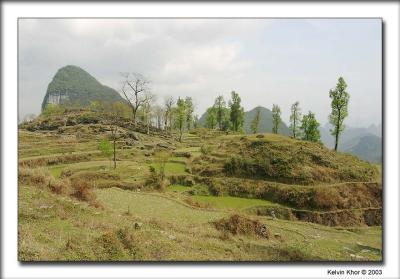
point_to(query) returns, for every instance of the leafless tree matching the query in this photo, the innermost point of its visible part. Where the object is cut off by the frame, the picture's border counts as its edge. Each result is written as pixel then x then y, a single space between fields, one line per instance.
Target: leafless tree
pixel 135 88
pixel 158 113
pixel 147 109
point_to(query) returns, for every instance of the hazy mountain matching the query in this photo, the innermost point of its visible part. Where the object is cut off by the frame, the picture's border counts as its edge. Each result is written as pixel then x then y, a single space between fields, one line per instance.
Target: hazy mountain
pixel 265 125
pixel 365 143
pixel 73 85
pixel 368 148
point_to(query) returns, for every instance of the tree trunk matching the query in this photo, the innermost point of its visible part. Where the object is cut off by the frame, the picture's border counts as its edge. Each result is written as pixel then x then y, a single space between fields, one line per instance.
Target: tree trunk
pixel 115 162
pixel 336 138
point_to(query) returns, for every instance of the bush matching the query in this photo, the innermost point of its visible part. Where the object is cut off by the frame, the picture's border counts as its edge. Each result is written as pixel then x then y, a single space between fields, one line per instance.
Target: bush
pixel 83 190
pixel 61 186
pixel 237 224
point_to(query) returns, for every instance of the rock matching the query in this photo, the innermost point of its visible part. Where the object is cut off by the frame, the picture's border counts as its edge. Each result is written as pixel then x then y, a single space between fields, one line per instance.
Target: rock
pixel 133 135
pixel 172 237
pixel 163 145
pixel 137 225
pixel 365 251
pixel 45 206
pixel 260 136
pixel 277 235
pixel 149 146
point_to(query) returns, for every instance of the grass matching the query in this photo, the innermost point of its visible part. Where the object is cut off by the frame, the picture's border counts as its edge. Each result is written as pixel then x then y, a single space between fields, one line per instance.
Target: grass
pixel 232 202
pixel 172 168
pixel 177 188
pixel 59 220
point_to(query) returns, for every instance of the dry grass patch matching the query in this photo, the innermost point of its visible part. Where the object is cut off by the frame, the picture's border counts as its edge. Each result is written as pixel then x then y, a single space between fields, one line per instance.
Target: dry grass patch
pixel 238 224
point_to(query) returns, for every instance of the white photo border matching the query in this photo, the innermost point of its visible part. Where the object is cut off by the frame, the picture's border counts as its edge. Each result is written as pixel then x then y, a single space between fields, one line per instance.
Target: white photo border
pixel 11 11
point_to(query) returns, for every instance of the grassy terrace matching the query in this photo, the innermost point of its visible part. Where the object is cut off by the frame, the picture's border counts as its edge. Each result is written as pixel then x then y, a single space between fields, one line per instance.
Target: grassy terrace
pixel 176 224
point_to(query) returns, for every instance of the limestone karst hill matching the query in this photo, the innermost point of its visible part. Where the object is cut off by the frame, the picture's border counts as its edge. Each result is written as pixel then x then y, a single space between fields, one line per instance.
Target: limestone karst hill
pixel 72 85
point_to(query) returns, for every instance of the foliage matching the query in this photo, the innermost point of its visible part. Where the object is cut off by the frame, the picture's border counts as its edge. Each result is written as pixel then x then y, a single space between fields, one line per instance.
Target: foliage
pixel 52 110
pixel 236 112
pixel 255 122
pixel 340 100
pixel 276 118
pixel 211 120
pixel 295 119
pixel 189 112
pixel 310 128
pixel 106 148
pixel 220 107
pixel 180 116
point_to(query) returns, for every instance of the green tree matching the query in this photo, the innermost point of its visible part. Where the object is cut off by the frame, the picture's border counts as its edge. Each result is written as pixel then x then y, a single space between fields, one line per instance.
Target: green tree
pixel 211 118
pixel 276 118
pixel 220 107
pixel 105 148
pixel 189 112
pixel 340 100
pixel 295 119
pixel 236 112
pixel 309 126
pixel 53 109
pixel 196 121
pixel 255 122
pixel 168 113
pixel 180 116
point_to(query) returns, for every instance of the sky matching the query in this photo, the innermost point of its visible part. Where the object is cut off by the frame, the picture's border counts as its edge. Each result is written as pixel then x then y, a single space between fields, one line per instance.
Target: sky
pixel 267 61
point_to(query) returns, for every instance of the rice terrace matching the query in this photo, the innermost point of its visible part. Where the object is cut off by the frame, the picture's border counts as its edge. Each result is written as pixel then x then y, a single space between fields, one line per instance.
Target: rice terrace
pixel 128 174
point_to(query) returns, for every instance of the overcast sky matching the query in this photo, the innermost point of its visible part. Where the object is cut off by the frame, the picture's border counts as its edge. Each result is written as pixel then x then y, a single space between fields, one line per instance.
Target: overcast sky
pixel 266 60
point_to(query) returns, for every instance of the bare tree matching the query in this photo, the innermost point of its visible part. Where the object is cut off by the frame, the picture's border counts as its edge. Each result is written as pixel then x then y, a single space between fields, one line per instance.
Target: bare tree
pixel 147 110
pixel 135 88
pixel 158 112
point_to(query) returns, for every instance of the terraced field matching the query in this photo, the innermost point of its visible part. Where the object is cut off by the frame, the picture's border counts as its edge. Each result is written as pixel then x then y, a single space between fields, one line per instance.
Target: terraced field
pixel 75 206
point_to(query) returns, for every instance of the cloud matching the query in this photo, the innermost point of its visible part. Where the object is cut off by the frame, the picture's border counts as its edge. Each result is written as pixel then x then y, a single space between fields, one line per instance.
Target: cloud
pixel 266 61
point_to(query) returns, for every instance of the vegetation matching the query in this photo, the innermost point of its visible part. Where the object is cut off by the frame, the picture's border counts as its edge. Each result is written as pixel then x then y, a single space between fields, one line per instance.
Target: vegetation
pixel 184 192
pixel 309 127
pixel 276 118
pixel 70 82
pixel 340 100
pixel 295 118
pixel 256 122
pixel 236 112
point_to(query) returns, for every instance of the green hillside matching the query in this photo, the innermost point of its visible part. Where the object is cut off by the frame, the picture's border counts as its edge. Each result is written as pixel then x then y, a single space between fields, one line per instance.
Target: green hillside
pixel 72 85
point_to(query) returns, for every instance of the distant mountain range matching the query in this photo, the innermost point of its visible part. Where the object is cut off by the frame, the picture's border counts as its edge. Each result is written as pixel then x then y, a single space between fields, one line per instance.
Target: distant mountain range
pixel 73 85
pixel 365 143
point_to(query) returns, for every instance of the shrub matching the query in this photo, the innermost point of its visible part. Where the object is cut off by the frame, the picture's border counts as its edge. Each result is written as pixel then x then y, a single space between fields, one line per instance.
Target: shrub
pixel 60 186
pixel 83 190
pixel 35 176
pixel 237 224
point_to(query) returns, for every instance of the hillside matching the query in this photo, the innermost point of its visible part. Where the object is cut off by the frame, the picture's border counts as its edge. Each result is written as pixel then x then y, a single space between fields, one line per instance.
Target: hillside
pixel 72 85
pixel 265 125
pixel 258 197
